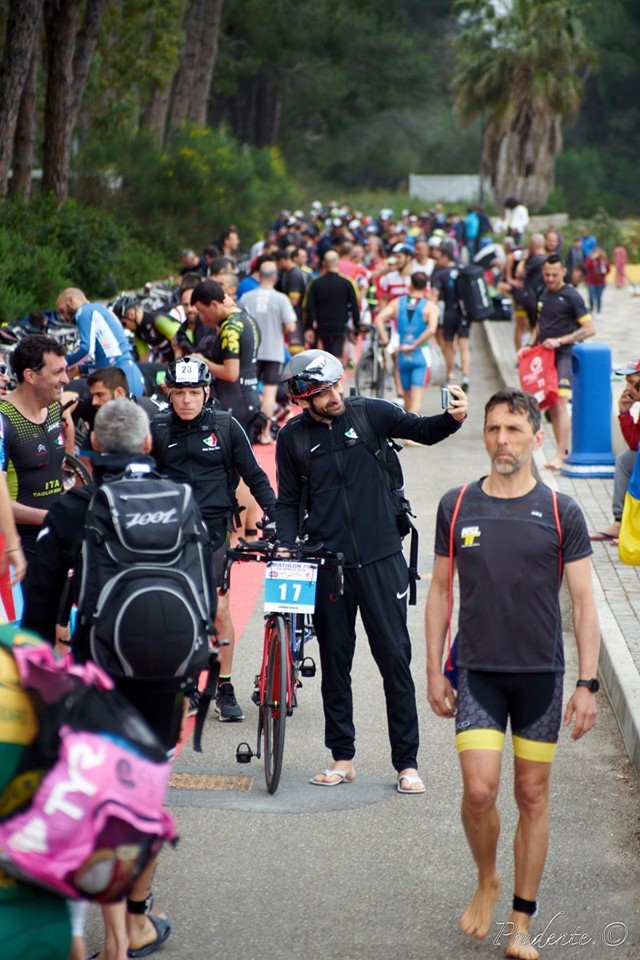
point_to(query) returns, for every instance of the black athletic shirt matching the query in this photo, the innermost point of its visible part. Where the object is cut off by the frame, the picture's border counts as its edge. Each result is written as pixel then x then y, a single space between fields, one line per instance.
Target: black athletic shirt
pixel 507 554
pixel 560 312
pixel 33 454
pixel 238 339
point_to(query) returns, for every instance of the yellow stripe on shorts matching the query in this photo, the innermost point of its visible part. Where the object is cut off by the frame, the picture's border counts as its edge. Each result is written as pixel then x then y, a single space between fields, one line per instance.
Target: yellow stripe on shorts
pixel 480 740
pixel 534 750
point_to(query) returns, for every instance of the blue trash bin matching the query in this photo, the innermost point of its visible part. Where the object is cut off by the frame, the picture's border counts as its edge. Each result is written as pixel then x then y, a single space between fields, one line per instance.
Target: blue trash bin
pixel 591 453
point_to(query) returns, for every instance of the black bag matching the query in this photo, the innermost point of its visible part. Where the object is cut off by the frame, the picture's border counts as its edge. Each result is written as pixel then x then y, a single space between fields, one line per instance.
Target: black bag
pixel 502 308
pixel 473 294
pixel 145 591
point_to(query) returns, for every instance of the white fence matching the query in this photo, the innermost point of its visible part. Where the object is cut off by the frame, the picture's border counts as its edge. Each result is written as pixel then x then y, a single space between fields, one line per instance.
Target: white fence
pixel 449 188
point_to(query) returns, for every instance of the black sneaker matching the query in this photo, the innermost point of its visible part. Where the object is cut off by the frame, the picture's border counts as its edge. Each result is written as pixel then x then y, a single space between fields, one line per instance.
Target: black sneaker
pixel 194 703
pixel 226 705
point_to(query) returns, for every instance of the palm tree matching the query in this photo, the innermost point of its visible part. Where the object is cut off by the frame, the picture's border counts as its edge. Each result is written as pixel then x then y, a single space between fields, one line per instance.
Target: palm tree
pixel 518 66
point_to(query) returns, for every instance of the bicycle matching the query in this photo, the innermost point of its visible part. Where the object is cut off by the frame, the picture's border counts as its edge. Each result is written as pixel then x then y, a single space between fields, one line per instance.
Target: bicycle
pixel 373 376
pixel 286 633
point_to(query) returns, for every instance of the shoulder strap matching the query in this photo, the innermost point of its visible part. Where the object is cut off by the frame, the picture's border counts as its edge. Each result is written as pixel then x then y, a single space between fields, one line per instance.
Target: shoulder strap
pixel 220 421
pixel 454 517
pixel 556 513
pixel 301 437
pixel 160 433
pixel 359 416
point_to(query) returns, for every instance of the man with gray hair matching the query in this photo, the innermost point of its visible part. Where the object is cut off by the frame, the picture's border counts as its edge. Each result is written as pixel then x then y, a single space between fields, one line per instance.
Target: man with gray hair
pixel 275 316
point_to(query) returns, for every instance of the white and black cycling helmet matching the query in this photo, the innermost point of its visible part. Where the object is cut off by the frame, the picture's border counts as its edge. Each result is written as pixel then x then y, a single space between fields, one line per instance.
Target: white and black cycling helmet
pixel 311 372
pixel 187 372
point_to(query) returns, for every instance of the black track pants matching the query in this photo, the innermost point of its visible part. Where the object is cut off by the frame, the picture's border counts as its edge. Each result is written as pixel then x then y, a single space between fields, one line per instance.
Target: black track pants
pixel 379 591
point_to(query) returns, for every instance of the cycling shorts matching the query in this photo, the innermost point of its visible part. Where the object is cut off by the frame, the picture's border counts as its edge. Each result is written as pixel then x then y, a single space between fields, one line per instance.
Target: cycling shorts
pixel 563 369
pixel 269 372
pixel 454 325
pixel 532 702
pixel 413 369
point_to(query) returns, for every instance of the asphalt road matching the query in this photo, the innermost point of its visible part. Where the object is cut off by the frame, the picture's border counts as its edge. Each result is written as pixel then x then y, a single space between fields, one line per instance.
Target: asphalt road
pixel 359 872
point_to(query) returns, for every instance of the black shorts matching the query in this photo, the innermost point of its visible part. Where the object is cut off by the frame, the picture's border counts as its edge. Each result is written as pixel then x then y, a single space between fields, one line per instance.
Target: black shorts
pixel 269 372
pixel 563 369
pixel 454 325
pixel 332 342
pixel 532 702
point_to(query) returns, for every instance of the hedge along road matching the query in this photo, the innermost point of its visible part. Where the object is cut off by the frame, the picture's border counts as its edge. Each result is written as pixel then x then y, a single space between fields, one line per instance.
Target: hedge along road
pixel 359 871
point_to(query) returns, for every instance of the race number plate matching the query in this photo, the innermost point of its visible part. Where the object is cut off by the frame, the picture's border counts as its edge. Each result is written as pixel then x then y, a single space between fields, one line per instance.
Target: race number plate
pixel 290 587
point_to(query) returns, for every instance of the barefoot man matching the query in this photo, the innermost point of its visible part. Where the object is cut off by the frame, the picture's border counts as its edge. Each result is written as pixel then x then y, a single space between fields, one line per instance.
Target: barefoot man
pixel 562 320
pixel 512 541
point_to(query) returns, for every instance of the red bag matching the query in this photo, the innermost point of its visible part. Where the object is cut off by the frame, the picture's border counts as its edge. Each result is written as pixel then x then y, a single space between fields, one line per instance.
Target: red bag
pixel 538 375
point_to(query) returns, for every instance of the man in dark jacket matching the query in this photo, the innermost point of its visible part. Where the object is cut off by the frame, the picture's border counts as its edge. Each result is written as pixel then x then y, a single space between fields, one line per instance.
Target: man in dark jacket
pixel 330 306
pixel 350 511
pixel 188 444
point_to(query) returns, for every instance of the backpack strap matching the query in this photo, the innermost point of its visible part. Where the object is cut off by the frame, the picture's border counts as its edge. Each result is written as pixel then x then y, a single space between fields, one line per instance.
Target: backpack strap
pixel 220 421
pixel 160 431
pixel 301 437
pixel 454 517
pixel 556 514
pixel 378 446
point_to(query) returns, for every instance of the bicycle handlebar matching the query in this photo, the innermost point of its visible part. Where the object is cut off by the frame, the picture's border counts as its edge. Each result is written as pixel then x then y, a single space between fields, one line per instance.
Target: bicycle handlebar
pixel 264 551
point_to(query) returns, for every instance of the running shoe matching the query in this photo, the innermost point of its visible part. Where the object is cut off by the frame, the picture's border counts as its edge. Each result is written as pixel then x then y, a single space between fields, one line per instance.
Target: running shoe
pixel 226 705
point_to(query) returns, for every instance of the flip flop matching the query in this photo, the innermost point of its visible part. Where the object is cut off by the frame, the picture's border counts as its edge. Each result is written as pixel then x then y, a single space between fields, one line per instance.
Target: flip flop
pixel 343 774
pixel 163 929
pixel 603 535
pixel 411 781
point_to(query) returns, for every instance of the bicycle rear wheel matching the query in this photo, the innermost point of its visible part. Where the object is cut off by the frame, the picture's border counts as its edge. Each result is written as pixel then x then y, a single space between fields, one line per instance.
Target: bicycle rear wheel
pixel 364 376
pixel 274 707
pixel 381 380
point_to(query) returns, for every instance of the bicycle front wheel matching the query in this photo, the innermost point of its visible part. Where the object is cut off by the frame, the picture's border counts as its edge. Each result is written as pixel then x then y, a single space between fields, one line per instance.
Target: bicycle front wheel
pixel 274 708
pixel 74 472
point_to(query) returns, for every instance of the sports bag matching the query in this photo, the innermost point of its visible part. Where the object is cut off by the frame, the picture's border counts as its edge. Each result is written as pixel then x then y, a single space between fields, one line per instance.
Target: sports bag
pixel 81 808
pixel 473 294
pixel 538 375
pixel 145 589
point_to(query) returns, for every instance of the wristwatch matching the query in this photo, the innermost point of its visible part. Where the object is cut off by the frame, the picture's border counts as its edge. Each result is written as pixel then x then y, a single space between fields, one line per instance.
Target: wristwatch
pixel 591 685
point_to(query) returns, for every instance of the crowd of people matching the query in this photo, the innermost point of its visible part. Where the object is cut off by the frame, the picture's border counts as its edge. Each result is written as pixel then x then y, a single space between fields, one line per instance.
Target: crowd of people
pixel 190 388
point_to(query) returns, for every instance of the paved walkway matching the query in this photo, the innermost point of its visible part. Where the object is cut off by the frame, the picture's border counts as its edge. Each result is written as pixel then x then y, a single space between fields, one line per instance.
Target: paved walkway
pixel 617 585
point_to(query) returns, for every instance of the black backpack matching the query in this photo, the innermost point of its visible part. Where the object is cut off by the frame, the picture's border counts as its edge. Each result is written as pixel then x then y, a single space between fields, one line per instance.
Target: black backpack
pixel 145 596
pixel 216 421
pixel 385 452
pixel 473 294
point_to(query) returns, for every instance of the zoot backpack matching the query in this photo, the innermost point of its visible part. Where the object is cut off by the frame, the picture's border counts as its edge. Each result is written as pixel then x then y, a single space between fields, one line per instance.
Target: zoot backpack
pixel 145 593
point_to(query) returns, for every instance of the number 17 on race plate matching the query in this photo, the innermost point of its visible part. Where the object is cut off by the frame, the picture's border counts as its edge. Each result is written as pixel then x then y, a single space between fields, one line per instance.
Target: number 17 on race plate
pixel 290 587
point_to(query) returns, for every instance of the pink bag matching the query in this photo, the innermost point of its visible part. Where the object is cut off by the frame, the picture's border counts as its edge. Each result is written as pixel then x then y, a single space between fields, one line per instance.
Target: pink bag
pixel 97 816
